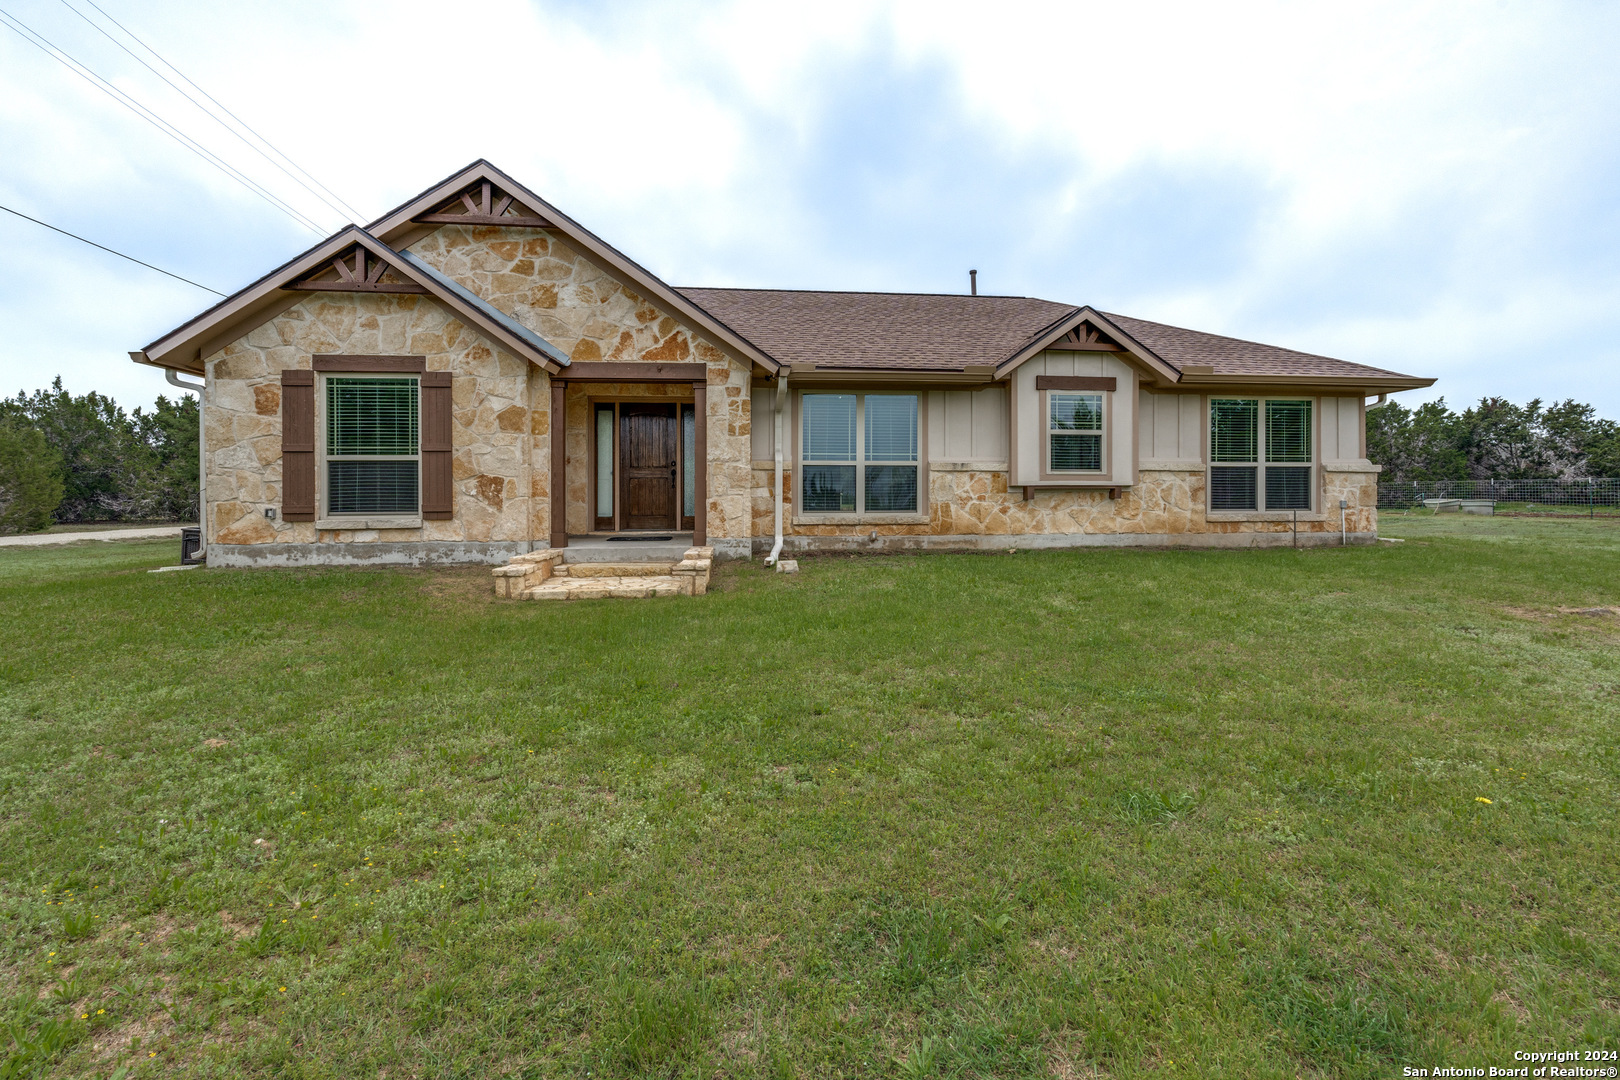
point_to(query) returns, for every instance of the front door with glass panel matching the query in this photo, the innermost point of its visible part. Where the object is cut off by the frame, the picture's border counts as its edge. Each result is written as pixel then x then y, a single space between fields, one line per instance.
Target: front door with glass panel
pixel 648 465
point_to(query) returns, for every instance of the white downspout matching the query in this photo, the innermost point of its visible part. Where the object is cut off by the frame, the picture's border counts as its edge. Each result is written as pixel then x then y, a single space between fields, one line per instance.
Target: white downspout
pixel 202 454
pixel 781 398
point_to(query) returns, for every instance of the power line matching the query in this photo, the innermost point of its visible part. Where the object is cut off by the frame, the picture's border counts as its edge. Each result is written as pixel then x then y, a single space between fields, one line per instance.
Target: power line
pixel 204 109
pixel 84 72
pixel 109 250
pixel 356 214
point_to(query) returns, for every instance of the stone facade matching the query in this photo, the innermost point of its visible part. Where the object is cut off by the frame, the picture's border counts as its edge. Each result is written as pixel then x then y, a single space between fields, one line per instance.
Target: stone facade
pixel 501 404
pixel 976 509
pixel 489 420
pixel 555 290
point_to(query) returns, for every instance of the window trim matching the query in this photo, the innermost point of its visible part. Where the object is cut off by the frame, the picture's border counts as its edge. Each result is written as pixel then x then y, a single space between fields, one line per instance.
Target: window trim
pixel 1316 512
pixel 324 518
pixel 1104 475
pixel 920 516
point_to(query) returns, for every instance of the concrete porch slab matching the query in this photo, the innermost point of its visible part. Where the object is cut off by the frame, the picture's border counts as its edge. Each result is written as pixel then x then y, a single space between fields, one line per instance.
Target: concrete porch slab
pixel 629 548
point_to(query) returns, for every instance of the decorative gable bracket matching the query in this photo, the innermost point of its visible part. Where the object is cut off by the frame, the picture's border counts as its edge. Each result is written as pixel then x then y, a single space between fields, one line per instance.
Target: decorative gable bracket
pixel 1085 338
pixel 484 204
pixel 358 270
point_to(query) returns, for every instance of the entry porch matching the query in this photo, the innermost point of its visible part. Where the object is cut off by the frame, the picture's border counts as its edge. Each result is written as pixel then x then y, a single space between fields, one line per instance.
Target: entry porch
pixel 629 456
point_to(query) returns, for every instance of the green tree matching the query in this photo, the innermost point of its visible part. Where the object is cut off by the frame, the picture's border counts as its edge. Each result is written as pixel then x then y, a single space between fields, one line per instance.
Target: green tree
pixel 107 468
pixel 170 431
pixel 30 478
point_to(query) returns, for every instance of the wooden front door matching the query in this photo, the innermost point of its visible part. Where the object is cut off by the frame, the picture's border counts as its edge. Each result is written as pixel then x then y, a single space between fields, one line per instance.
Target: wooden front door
pixel 647 455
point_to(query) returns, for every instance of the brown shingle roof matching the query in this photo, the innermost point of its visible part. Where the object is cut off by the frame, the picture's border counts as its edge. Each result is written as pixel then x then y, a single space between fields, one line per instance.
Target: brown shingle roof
pixel 911 331
pixel 1180 347
pixel 948 332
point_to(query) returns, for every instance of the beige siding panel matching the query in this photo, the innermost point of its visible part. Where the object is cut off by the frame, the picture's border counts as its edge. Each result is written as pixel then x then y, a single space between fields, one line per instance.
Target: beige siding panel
pixel 763 406
pixel 935 402
pixel 968 425
pixel 1351 431
pixel 958 425
pixel 1328 427
pixel 1192 426
pixel 989 424
pixel 1171 427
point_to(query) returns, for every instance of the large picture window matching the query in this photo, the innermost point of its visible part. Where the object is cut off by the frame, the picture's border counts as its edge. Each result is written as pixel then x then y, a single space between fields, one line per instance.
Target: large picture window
pixel 858 454
pixel 1074 432
pixel 1261 453
pixel 373 452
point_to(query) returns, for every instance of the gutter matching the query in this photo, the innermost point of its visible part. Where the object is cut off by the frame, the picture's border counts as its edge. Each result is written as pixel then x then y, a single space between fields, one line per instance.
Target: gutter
pixel 1383 399
pixel 781 398
pixel 200 389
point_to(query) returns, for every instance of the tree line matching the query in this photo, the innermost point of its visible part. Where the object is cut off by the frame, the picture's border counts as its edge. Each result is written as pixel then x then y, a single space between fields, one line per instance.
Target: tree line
pixel 1494 440
pixel 67 460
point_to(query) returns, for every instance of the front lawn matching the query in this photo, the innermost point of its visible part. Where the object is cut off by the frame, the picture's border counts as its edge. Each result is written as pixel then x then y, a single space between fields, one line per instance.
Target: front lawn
pixel 1115 813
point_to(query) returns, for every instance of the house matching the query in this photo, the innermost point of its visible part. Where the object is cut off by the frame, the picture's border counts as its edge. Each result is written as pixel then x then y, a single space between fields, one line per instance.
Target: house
pixel 476 377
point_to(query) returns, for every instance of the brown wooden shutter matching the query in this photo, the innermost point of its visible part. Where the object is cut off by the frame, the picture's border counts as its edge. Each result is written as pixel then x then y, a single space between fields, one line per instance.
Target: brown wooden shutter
pixel 438 489
pixel 298 446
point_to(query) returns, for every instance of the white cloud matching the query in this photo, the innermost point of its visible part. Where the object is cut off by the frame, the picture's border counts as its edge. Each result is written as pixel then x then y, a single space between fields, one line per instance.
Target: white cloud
pixel 1424 147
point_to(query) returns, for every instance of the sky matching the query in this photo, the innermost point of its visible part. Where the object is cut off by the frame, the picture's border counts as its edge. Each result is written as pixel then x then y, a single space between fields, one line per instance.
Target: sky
pixel 1432 188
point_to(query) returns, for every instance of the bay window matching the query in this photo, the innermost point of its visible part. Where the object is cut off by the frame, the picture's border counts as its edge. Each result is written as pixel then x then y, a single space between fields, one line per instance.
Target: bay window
pixel 858 454
pixel 1262 454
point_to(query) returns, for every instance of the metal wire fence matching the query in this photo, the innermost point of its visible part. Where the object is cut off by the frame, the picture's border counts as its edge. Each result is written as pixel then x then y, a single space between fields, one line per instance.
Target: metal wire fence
pixel 1540 498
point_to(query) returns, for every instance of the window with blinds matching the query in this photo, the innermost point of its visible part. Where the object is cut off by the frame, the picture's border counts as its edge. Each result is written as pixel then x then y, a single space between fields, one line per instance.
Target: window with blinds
pixel 1261 453
pixel 373 452
pixel 1074 432
pixel 858 454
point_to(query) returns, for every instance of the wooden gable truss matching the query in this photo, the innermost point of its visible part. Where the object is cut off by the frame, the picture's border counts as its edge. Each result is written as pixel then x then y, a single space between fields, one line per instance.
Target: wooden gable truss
pixel 483 204
pixel 357 270
pixel 1084 337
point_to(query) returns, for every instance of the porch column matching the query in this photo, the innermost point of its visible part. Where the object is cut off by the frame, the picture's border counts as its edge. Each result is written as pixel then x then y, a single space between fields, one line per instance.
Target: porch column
pixel 559 465
pixel 700 470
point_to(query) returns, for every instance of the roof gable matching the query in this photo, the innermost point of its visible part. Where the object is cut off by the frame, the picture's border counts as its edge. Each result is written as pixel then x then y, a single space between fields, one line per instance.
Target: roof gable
pixel 350 261
pixel 483 195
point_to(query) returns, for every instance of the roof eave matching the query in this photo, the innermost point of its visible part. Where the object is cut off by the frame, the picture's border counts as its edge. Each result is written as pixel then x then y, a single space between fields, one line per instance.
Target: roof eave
pixel 1376 384
pixel 184 348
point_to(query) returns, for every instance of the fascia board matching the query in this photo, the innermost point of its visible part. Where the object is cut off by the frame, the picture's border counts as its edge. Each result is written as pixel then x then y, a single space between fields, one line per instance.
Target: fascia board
pixel 243 304
pixel 1381 384
pixel 179 349
pixel 399 221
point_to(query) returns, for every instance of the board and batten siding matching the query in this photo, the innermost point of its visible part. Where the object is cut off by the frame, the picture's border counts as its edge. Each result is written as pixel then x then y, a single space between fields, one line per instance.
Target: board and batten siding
pixel 1171 430
pixel 968 428
pixel 1343 428
pixel 1028 440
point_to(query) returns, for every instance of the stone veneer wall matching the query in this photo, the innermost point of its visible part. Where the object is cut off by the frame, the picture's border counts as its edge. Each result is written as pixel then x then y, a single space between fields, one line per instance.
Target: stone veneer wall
pixel 489 420
pixel 554 289
pixel 976 509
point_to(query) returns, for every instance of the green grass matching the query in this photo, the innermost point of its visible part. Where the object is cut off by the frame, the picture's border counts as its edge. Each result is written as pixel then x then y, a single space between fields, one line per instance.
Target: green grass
pixel 1109 813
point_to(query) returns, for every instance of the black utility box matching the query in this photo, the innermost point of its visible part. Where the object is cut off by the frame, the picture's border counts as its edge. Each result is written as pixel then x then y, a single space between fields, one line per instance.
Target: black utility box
pixel 190 541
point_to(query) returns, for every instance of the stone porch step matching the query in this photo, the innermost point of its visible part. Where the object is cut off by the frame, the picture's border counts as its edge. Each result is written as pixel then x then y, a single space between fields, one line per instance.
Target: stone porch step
pixel 544 575
pixel 635 587
pixel 613 569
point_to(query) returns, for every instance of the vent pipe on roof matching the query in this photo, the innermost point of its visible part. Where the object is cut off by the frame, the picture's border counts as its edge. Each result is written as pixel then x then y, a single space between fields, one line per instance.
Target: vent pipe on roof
pixel 973 283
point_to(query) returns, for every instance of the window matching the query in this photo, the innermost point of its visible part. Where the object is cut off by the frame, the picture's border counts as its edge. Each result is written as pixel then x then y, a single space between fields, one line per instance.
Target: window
pixel 1074 432
pixel 1259 465
pixel 858 454
pixel 373 463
